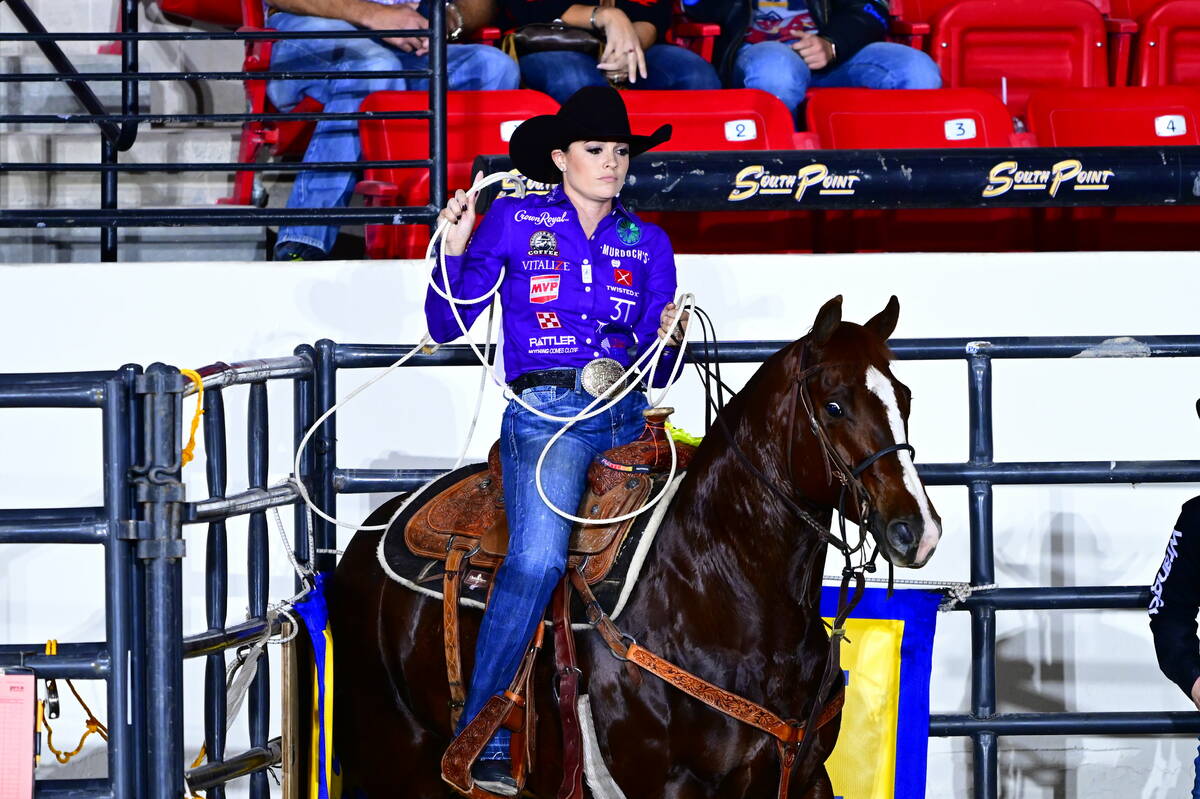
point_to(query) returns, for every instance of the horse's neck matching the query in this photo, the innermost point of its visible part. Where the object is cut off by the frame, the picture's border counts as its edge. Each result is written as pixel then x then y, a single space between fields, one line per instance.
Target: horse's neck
pixel 731 540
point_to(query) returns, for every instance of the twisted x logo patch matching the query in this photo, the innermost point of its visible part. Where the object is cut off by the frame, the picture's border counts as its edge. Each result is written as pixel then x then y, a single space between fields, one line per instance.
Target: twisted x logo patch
pixel 548 320
pixel 623 277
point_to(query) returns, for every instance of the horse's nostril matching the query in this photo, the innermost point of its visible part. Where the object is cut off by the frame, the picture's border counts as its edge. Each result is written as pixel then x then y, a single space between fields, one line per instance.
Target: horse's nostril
pixel 901 535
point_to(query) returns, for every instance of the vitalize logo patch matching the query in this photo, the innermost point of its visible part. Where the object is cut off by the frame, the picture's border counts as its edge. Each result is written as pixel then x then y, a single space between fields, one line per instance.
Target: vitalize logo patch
pixel 543 288
pixel 544 218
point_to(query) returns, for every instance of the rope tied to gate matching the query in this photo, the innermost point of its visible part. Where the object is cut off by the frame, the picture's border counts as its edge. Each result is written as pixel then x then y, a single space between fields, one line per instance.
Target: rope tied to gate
pixel 93 724
pixel 189 451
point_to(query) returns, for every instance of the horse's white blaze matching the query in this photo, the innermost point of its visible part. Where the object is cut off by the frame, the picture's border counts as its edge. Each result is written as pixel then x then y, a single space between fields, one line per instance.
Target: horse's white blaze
pixel 879 385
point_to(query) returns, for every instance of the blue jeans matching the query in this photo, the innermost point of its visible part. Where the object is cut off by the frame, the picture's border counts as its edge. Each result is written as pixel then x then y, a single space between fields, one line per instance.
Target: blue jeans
pixel 774 67
pixel 561 73
pixel 1196 785
pixel 537 536
pixel 470 66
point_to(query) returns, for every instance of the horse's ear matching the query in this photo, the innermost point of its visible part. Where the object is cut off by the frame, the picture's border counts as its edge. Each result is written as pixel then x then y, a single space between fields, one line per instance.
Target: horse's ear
pixel 884 322
pixel 828 319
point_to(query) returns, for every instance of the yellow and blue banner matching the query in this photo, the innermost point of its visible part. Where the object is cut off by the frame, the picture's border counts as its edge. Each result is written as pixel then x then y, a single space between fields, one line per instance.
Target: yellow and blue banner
pixel 887 655
pixel 314 611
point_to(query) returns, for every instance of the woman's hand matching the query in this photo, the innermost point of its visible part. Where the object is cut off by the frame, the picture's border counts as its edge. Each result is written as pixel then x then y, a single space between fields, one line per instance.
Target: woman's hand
pixel 816 51
pixel 399 17
pixel 460 213
pixel 623 56
pixel 664 323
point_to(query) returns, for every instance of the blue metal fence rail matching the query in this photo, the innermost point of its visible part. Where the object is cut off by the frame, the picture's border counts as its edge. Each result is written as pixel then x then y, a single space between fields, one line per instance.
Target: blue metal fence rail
pixel 979 474
pixel 141 524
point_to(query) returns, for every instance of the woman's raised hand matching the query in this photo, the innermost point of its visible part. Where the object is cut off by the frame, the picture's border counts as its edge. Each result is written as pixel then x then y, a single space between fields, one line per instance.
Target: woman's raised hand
pixel 664 323
pixel 623 57
pixel 460 213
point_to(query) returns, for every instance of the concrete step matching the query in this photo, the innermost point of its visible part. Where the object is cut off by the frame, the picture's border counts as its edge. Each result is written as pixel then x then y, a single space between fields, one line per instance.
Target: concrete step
pixel 157 244
pixel 148 189
pixel 42 97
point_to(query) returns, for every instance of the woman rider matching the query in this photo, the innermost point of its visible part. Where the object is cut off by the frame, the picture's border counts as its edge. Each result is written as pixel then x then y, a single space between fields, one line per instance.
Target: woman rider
pixel 584 280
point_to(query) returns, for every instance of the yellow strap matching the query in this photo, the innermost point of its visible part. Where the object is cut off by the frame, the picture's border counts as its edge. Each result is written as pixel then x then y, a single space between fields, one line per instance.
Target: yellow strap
pixel 94 725
pixel 194 376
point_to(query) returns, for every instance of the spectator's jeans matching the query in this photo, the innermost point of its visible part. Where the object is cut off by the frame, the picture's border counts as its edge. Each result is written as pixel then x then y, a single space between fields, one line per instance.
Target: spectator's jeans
pixel 537 536
pixel 470 66
pixel 1196 785
pixel 561 73
pixel 776 68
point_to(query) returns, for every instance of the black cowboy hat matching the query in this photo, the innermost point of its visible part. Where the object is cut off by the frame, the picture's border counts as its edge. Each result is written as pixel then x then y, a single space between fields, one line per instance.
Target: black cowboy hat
pixel 594 113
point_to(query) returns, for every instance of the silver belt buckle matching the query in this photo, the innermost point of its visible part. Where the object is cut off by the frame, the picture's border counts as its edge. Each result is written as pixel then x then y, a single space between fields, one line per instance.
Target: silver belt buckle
pixel 600 375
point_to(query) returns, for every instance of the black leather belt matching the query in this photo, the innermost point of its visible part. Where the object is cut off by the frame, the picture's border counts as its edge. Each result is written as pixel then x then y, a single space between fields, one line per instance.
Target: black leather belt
pixel 563 378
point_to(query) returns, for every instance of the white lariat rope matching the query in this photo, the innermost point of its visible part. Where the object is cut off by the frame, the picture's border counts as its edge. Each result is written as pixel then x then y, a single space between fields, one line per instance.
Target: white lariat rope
pixel 601 404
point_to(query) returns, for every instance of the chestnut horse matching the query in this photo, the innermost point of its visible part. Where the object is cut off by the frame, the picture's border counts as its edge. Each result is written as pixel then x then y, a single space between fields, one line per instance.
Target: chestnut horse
pixel 724 593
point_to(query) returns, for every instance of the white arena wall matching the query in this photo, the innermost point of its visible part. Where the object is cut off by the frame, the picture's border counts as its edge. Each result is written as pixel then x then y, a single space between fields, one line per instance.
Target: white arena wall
pixel 87 317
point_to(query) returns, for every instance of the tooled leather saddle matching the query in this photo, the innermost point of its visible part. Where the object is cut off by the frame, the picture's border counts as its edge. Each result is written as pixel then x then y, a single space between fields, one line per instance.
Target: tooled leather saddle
pixel 470 514
pixel 465 525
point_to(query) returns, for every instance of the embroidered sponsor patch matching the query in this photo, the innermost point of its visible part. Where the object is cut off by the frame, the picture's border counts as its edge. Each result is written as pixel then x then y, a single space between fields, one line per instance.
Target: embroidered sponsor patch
pixel 548 320
pixel 623 277
pixel 543 288
pixel 544 218
pixel 629 232
pixel 543 242
pixel 544 264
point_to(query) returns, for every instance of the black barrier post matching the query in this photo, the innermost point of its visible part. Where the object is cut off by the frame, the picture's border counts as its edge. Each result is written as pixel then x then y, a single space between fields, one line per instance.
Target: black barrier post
pixel 259 698
pixel 118 578
pixel 325 440
pixel 216 583
pixel 161 494
pixel 983 572
pixel 303 416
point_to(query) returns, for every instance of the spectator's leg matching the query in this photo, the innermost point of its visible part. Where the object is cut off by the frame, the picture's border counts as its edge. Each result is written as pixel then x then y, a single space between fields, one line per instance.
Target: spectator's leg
pixel 470 66
pixel 560 73
pixel 883 65
pixel 669 66
pixel 773 67
pixel 333 140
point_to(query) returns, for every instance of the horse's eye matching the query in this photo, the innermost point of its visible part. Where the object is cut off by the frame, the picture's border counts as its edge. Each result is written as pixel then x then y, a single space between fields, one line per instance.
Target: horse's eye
pixel 834 410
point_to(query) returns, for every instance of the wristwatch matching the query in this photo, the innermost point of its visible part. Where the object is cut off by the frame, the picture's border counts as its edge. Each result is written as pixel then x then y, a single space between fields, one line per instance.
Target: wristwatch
pixel 453 34
pixel 832 50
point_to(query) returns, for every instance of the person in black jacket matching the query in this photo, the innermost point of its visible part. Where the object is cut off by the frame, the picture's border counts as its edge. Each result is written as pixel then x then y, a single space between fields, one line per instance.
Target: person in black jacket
pixel 635 53
pixel 785 46
pixel 1174 603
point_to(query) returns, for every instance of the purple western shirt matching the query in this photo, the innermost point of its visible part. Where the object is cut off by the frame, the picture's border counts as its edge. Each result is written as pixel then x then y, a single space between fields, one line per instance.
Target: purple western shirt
pixel 566 299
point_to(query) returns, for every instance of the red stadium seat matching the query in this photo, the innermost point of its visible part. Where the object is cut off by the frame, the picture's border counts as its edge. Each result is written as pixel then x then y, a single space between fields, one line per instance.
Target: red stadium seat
pixel 853 119
pixel 477 123
pixel 1027 44
pixel 1120 117
pixel 913 21
pixel 867 119
pixel 1168 42
pixel 727 119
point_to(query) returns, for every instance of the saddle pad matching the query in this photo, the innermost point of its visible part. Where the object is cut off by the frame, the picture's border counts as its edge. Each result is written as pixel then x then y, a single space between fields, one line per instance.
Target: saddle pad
pixel 424 574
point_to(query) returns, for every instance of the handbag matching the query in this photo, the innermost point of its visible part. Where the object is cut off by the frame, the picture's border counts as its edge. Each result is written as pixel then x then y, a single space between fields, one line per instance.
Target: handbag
pixel 540 37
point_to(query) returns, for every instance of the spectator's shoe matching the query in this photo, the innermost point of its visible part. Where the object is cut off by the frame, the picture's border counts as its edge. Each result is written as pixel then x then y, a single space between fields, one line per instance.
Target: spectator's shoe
pixel 298 251
pixel 495 776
